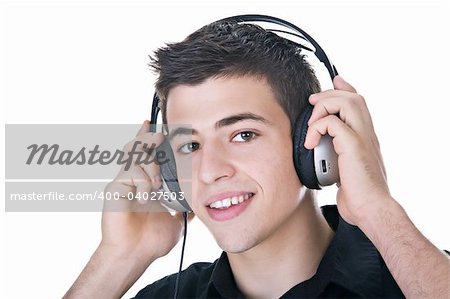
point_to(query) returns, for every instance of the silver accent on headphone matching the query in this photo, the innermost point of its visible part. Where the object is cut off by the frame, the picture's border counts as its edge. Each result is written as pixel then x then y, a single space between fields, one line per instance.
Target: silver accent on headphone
pixel 326 162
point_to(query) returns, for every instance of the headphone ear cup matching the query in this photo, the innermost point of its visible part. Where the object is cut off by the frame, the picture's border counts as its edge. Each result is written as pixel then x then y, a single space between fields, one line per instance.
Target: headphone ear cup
pixel 303 157
pixel 169 178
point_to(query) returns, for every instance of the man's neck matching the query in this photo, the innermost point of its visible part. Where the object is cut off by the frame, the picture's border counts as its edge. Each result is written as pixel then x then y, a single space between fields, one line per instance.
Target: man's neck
pixel 289 256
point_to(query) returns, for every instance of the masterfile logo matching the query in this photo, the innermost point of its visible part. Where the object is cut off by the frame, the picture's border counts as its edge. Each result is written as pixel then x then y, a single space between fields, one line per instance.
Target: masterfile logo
pixel 65 167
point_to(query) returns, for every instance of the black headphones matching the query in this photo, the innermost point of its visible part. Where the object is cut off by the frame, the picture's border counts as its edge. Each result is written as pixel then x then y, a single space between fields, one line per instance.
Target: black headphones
pixel 315 168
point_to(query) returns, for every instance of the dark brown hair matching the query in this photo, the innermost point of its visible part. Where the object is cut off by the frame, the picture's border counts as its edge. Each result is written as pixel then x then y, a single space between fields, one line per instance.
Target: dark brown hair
pixel 229 49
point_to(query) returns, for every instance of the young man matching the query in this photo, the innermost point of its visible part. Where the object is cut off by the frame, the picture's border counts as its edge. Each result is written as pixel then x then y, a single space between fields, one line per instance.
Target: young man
pixel 241 88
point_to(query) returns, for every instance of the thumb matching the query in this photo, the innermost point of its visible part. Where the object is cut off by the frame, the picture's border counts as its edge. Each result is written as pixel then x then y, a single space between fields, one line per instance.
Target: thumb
pixel 341 84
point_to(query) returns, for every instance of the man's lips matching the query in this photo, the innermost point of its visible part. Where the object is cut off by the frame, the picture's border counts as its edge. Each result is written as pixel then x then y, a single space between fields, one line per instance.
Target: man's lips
pixel 226 199
pixel 227 206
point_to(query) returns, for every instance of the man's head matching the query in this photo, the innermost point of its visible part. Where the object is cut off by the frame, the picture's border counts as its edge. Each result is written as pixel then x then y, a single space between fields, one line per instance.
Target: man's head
pixel 240 89
pixel 225 49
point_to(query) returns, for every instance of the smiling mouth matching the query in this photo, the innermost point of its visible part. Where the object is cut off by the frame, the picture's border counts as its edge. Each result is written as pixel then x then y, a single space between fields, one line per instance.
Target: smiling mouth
pixel 230 201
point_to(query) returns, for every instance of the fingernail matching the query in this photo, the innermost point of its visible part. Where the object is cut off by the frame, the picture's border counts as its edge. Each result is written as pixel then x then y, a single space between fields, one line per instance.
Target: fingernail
pixel 305 144
pixel 156 181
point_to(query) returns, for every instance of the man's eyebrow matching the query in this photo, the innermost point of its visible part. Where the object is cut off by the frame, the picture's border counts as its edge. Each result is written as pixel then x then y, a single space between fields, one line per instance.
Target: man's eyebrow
pixel 227 121
pixel 182 131
pixel 230 120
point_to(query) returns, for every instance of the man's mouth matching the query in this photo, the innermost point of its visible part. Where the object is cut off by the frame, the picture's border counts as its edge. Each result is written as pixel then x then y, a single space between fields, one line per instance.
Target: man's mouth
pixel 230 201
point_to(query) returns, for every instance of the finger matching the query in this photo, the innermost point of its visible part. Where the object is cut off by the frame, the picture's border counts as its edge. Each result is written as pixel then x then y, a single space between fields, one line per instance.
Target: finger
pixel 121 198
pixel 143 185
pixel 140 152
pixel 149 139
pixel 147 160
pixel 137 182
pixel 152 173
pixel 349 110
pixel 115 194
pixel 340 84
pixel 144 128
pixel 316 97
pixel 342 134
pixel 137 177
pixel 144 142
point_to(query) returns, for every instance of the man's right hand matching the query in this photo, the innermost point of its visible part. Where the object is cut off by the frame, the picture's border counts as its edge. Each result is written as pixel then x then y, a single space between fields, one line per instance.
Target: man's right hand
pixel 131 240
pixel 145 235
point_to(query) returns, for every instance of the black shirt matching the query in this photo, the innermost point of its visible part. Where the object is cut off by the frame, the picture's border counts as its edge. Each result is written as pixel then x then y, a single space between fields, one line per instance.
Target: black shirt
pixel 351 268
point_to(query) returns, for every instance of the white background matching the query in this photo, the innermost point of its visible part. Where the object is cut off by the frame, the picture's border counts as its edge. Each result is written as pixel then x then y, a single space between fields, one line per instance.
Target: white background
pixel 86 62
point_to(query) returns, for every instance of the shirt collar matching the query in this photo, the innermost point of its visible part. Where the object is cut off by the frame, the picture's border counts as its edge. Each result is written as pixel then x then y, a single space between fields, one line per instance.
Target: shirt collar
pixel 223 280
pixel 350 261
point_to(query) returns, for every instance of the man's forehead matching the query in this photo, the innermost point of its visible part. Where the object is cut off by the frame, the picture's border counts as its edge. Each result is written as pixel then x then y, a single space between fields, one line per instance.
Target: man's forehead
pixel 220 97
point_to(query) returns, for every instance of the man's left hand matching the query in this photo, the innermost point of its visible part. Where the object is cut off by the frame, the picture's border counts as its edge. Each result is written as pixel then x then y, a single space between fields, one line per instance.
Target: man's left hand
pixel 342 113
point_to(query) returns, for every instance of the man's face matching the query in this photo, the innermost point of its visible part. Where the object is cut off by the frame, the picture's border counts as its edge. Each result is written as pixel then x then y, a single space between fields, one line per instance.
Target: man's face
pixel 244 185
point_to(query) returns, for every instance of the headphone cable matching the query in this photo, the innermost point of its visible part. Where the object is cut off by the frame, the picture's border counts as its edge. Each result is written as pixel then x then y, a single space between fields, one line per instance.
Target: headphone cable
pixel 182 255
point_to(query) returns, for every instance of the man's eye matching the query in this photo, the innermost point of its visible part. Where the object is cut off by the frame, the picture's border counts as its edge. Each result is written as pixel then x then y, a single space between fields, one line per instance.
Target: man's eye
pixel 188 148
pixel 245 136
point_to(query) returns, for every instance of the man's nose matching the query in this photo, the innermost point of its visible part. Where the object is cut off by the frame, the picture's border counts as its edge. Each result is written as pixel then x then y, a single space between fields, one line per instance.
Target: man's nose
pixel 215 163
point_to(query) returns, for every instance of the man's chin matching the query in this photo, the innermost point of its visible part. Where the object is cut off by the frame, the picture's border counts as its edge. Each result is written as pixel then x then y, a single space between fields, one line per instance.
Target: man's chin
pixel 235 244
pixel 233 238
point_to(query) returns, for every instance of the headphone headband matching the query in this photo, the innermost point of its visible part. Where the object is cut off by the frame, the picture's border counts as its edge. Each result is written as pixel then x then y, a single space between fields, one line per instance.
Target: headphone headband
pixel 319 52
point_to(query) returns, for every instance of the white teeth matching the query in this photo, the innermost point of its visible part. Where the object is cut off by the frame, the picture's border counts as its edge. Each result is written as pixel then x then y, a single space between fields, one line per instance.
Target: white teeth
pixel 216 204
pixel 227 202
